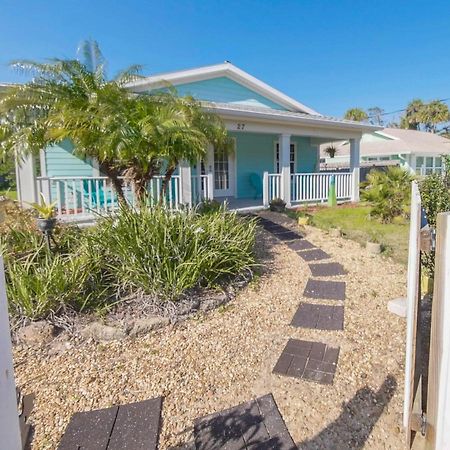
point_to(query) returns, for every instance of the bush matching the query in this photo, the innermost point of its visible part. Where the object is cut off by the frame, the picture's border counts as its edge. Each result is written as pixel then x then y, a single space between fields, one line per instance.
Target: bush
pixel 389 193
pixel 152 251
pixel 165 254
pixel 435 196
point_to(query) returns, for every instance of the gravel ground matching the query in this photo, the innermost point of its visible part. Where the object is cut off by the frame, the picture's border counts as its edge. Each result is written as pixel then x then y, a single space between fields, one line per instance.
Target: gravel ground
pixel 225 357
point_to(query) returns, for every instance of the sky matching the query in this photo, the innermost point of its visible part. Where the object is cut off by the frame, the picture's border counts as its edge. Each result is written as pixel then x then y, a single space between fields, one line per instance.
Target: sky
pixel 328 54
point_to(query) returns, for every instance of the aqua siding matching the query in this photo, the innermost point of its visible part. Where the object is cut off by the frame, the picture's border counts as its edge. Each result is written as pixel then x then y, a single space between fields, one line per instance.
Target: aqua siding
pixel 61 162
pixel 254 154
pixel 225 90
pixel 307 154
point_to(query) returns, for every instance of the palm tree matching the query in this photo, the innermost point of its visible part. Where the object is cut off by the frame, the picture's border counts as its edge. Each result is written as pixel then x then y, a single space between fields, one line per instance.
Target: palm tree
pixel 434 113
pixel 182 130
pixel 356 114
pixel 62 101
pixel 411 120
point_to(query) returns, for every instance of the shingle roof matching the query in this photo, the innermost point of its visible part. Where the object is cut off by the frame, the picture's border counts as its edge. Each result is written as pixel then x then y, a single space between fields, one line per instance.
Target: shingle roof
pixel 397 141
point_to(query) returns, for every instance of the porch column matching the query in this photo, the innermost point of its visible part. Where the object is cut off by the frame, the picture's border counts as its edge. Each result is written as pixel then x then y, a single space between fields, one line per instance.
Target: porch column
pixel 185 183
pixel 26 181
pixel 354 168
pixel 285 167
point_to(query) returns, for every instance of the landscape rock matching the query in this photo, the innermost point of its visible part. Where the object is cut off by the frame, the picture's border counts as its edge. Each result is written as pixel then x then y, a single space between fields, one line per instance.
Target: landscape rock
pixel 398 306
pixel 147 324
pixel 102 333
pixel 36 333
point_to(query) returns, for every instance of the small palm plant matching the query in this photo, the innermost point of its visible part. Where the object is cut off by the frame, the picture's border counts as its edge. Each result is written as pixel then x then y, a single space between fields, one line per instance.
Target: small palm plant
pixel 331 151
pixel 46 214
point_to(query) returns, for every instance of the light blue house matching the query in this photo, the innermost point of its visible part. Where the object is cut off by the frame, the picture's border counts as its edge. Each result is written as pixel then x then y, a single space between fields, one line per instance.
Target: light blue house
pixel 276 150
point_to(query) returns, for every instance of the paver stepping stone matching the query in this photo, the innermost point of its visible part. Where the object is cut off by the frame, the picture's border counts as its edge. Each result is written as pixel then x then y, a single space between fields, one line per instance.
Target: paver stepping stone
pixel 253 425
pixel 314 255
pixel 327 290
pixel 133 426
pixel 327 269
pixel 321 317
pixel 289 236
pixel 308 360
pixel 301 244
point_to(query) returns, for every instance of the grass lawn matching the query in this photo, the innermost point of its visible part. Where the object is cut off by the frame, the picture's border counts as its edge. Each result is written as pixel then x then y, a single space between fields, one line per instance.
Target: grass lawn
pixel 12 195
pixel 355 224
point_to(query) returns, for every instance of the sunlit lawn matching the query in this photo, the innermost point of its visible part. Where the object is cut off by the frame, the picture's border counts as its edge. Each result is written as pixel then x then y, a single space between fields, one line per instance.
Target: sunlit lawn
pixel 355 223
pixel 12 195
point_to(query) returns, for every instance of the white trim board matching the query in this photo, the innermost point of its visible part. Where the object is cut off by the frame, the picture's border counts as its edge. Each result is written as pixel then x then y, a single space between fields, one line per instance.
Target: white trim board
pixel 225 69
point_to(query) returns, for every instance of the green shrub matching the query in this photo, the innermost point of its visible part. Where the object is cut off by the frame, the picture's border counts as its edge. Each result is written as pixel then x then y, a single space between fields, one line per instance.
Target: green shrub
pixel 435 196
pixel 162 253
pixel 389 193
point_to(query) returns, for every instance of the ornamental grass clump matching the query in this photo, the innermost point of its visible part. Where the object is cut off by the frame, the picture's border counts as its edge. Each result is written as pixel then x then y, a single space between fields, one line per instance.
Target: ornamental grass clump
pixel 162 253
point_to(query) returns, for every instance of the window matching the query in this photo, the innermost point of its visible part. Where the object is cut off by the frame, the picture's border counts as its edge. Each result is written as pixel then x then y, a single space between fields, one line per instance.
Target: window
pixel 426 165
pixel 292 158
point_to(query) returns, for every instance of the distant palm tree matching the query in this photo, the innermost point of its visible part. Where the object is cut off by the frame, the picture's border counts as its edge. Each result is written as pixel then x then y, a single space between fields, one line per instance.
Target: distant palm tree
pixel 356 114
pixel 434 113
pixel 411 120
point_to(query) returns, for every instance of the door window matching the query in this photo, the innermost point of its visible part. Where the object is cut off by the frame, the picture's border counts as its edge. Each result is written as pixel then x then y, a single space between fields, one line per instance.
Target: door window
pixel 292 158
pixel 221 169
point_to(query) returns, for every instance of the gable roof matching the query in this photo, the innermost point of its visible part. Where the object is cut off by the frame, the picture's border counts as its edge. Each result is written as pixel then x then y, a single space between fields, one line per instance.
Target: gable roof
pixel 397 141
pixel 225 69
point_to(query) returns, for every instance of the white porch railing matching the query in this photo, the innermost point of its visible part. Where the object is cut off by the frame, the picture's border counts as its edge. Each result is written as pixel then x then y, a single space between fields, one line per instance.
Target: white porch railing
pixel 271 186
pixel 88 195
pixel 314 187
pixel 202 187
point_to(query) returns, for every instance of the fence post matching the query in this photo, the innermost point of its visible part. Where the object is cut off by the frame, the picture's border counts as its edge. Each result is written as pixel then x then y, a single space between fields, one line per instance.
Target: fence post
pixel 9 418
pixel 185 183
pixel 266 188
pixel 412 302
pixel 210 183
pixel 438 405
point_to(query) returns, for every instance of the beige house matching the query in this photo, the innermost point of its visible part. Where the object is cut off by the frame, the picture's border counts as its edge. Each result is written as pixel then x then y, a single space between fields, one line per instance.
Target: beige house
pixel 417 151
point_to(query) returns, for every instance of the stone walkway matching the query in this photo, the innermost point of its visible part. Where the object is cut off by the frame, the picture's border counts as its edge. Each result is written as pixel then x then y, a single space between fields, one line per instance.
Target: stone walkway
pixel 307 360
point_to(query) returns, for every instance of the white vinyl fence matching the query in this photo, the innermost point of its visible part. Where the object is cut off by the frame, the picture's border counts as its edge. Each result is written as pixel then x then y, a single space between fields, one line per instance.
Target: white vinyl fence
pixel 427 370
pixel 9 418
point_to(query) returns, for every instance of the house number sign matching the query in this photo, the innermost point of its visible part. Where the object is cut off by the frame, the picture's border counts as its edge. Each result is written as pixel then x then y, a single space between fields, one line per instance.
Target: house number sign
pixel 240 126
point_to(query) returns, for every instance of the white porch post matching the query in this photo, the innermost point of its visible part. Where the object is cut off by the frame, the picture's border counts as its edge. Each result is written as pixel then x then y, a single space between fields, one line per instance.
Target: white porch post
pixel 26 180
pixel 266 189
pixel 210 184
pixel 9 416
pixel 186 183
pixel 354 168
pixel 285 167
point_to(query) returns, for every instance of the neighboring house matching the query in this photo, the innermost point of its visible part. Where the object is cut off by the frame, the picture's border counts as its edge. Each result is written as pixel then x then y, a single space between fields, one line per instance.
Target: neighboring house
pixel 417 151
pixel 276 150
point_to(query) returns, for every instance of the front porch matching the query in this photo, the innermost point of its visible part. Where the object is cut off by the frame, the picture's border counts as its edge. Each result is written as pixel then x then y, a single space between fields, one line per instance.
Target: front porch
pixel 263 166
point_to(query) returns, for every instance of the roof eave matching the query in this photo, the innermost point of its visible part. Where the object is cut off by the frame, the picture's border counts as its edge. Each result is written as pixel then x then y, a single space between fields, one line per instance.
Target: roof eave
pixel 313 120
pixel 208 72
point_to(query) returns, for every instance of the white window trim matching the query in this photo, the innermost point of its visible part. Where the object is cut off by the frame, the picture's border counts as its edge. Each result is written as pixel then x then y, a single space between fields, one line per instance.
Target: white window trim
pixel 422 170
pixel 275 143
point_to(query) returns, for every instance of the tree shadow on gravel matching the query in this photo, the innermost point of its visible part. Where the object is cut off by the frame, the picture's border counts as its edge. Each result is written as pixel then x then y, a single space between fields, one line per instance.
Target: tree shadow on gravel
pixel 356 421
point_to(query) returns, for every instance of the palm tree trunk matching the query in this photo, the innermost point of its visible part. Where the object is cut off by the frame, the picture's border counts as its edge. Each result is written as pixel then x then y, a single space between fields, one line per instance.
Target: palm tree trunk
pixel 168 175
pixel 113 174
